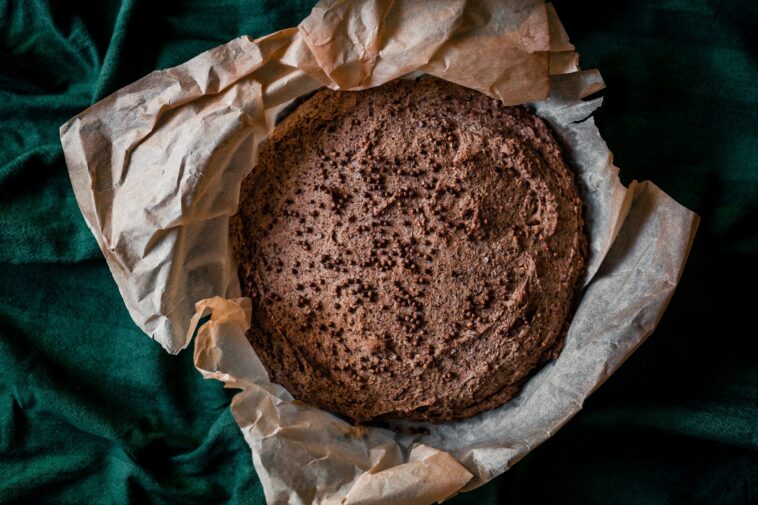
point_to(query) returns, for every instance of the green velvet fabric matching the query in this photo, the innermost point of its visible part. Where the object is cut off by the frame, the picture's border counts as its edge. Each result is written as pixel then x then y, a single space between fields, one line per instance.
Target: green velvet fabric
pixel 92 411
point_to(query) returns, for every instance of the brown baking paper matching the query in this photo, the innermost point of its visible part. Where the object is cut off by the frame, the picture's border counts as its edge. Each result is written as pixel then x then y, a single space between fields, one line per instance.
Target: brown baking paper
pixel 157 166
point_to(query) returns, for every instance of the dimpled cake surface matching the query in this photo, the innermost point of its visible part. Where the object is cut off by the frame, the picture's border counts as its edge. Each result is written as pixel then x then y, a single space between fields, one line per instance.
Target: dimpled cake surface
pixel 412 251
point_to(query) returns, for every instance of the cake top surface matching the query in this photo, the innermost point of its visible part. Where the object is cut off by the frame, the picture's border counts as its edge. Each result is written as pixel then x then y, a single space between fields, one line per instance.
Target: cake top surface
pixel 412 251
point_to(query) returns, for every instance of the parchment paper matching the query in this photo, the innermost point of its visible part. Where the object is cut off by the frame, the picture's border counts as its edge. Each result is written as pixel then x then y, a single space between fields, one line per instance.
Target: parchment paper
pixel 156 169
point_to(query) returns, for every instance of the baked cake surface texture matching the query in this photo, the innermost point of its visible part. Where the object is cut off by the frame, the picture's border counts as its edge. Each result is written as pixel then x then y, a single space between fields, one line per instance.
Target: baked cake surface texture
pixel 412 251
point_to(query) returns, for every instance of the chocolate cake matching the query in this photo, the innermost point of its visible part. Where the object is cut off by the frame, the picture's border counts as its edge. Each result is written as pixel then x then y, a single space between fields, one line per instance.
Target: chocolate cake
pixel 412 251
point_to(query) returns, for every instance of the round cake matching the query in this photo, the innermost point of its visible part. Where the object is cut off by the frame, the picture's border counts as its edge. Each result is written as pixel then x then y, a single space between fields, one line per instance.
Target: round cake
pixel 412 251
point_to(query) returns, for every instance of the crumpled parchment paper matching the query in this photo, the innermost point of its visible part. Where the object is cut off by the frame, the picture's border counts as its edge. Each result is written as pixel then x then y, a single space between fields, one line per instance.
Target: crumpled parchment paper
pixel 157 166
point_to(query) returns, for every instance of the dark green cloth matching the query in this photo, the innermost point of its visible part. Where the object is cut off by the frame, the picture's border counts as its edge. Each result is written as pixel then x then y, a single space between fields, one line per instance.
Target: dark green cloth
pixel 92 411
